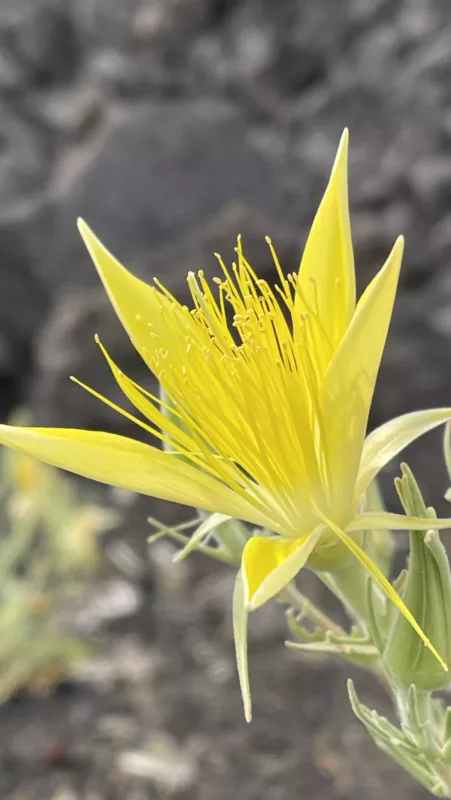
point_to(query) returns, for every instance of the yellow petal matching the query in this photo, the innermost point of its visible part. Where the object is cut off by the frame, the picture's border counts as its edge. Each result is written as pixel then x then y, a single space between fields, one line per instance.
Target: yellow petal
pixel 326 280
pixel 389 439
pixel 136 303
pixel 396 522
pixel 129 464
pixel 137 397
pixel 349 384
pixel 240 615
pixel 269 564
pixel 383 582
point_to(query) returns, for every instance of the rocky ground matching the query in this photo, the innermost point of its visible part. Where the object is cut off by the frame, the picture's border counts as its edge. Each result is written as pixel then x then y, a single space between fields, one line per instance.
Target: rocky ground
pixel 172 125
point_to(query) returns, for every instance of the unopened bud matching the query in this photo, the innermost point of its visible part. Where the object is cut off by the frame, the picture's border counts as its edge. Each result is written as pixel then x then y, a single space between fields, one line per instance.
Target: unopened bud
pixel 447 454
pixel 427 594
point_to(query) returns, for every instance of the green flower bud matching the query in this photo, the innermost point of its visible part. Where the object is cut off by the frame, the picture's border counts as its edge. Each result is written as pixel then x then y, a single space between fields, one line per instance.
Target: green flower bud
pixel 427 594
pixel 447 454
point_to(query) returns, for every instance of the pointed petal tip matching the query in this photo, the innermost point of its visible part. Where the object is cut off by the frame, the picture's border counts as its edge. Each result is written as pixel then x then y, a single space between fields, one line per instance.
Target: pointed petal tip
pixel 341 158
pixel 394 260
pixel 89 238
pixel 104 261
pixel 399 244
pixel 344 139
pixel 83 228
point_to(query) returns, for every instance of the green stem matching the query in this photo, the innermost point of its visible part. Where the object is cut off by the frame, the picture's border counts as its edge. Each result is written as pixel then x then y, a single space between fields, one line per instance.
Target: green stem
pixel 445 775
pixel 414 710
pixel 296 600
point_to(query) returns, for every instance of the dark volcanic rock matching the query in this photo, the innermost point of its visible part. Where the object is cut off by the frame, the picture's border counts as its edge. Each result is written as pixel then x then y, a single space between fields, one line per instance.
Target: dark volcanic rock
pixel 153 173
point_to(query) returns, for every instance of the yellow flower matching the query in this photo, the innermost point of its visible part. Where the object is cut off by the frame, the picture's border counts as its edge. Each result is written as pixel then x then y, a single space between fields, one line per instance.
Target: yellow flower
pixel 273 408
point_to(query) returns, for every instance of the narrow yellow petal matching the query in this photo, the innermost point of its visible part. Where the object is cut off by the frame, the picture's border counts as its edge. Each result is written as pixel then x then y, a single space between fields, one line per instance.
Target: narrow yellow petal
pixel 389 439
pixel 269 564
pixel 326 282
pixel 129 464
pixel 349 384
pixel 138 305
pixel 383 582
pixel 147 408
pixel 240 614
pixel 396 522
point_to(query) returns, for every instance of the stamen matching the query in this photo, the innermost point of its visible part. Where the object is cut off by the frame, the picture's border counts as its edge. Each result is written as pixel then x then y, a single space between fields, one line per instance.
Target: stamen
pixel 131 417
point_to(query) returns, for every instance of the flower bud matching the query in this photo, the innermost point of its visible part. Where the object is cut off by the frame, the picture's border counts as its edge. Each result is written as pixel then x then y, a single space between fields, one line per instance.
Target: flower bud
pixel 427 594
pixel 447 454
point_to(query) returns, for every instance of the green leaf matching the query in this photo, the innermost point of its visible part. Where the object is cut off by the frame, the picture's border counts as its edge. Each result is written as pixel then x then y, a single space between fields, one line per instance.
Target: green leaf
pixel 208 525
pixel 397 746
pixel 240 615
pixel 396 522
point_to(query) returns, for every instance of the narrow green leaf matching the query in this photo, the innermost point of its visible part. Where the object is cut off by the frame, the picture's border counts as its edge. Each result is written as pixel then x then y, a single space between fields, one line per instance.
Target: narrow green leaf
pixel 209 524
pixel 396 522
pixel 335 648
pixel 240 615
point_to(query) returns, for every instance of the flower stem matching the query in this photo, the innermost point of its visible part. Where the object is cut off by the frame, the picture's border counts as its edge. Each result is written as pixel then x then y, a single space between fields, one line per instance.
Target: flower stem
pixel 298 601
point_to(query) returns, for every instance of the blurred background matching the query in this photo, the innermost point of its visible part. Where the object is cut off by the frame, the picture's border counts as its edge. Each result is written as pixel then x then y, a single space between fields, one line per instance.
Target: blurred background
pixel 171 126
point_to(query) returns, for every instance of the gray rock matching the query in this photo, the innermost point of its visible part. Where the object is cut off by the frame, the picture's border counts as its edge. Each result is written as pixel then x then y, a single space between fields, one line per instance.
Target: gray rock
pixel 42 37
pixel 25 160
pixel 151 174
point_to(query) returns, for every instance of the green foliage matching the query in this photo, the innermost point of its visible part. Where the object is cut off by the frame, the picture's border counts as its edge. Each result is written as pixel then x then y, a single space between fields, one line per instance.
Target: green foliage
pixel 48 550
